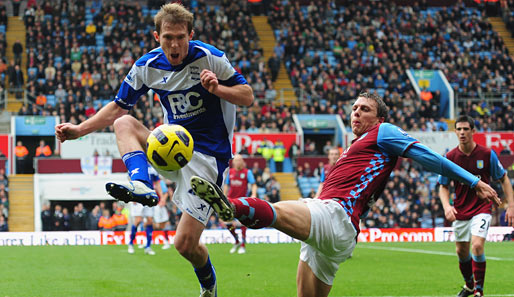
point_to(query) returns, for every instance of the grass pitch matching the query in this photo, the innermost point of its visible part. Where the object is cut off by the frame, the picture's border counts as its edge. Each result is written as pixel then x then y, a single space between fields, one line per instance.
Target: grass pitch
pixel 267 270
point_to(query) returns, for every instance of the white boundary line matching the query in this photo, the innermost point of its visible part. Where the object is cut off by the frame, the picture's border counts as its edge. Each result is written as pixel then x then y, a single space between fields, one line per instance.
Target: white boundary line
pixel 420 251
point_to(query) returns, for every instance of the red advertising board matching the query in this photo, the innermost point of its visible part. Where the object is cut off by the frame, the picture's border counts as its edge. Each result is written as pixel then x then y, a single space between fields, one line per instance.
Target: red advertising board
pixel 395 235
pixel 495 140
pixel 4 144
pixel 252 140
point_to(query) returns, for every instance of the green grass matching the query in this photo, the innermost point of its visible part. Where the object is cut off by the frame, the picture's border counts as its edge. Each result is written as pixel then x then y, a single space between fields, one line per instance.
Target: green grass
pixel 267 270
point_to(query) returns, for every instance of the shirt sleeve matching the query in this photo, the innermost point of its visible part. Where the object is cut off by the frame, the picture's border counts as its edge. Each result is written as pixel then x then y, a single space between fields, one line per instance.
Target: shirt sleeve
pixel 227 75
pixel 131 88
pixel 497 170
pixel 250 177
pixel 434 162
pixel 443 180
pixel 322 176
pixel 227 179
pixel 393 141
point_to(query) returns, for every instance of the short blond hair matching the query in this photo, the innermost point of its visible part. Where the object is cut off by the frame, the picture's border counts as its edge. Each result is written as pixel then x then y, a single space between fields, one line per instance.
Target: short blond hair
pixel 173 13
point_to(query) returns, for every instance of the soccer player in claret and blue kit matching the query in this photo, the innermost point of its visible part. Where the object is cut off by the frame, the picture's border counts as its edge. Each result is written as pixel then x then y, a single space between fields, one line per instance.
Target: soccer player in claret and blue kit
pixel 236 185
pixel 328 226
pixel 470 215
pixel 198 89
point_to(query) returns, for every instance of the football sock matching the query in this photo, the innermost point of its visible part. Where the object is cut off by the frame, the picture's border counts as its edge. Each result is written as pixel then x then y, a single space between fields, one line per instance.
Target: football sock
pixel 206 275
pixel 166 236
pixel 137 166
pixel 243 234
pixel 149 230
pixel 254 213
pixel 479 271
pixel 232 230
pixel 467 271
pixel 133 231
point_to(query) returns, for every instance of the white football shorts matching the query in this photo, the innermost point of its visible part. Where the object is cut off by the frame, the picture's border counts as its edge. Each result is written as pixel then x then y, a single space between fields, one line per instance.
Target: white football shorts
pixel 200 165
pixel 140 210
pixel 477 226
pixel 331 241
pixel 160 214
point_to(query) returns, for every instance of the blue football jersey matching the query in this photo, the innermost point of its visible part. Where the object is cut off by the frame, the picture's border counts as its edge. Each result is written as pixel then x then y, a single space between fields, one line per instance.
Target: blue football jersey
pixel 184 100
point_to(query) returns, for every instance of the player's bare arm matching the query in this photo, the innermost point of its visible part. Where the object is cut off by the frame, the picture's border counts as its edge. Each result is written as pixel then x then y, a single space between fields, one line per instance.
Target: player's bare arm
pixel 509 196
pixel 239 94
pixel 444 196
pixel 105 117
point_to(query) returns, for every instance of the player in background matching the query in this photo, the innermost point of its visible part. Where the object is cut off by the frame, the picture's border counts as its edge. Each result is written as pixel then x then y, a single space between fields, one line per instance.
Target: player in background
pixel 328 226
pixel 236 185
pixel 144 214
pixel 333 155
pixel 198 89
pixel 470 215
pixel 160 211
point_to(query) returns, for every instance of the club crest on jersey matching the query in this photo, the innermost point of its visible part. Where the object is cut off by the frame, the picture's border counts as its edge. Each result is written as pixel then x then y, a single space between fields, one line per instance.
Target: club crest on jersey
pixel 242 176
pixel 194 72
pixel 480 164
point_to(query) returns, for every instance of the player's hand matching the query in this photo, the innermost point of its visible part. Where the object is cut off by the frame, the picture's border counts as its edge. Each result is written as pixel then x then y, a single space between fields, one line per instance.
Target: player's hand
pixel 509 215
pixel 484 191
pixel 67 131
pixel 450 214
pixel 209 80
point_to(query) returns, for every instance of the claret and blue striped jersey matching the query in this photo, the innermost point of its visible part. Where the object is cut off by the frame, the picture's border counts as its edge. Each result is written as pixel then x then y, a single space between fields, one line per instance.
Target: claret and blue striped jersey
pixel 481 162
pixel 184 100
pixel 361 172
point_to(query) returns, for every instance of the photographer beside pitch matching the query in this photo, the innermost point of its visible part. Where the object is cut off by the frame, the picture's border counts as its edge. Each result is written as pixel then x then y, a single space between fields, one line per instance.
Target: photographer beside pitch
pixel 328 226
pixel 471 216
pixel 199 90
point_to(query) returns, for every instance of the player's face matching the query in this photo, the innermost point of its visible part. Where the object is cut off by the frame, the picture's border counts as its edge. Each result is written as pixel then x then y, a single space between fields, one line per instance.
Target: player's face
pixel 333 155
pixel 464 132
pixel 174 40
pixel 364 116
pixel 238 162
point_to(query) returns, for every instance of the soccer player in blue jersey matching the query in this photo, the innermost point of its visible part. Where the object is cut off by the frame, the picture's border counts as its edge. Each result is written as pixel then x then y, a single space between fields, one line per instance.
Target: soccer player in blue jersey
pixel 198 89
pixel 328 226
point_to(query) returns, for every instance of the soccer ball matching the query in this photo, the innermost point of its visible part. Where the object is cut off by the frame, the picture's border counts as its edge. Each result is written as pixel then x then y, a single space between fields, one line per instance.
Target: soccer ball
pixel 169 147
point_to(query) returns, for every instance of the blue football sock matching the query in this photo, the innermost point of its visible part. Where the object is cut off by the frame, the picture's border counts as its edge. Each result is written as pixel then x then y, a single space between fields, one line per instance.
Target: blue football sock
pixel 149 230
pixel 133 231
pixel 206 275
pixel 137 166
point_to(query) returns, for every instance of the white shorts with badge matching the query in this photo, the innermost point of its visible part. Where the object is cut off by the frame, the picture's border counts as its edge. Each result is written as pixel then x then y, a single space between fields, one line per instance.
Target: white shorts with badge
pixel 477 226
pixel 201 165
pixel 331 241
pixel 140 210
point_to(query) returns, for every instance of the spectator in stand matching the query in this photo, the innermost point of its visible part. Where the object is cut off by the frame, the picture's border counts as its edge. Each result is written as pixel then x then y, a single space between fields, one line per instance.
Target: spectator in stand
pixel 17 50
pixel 58 219
pixel 93 218
pixel 43 150
pixel 106 223
pixel 119 219
pixel 46 217
pixel 4 227
pixel 333 155
pixel 279 154
pixel 78 219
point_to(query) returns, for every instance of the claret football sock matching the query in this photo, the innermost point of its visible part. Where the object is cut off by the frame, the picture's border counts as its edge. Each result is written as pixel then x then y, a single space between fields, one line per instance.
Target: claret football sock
pixel 232 230
pixel 479 271
pixel 137 166
pixel 254 213
pixel 467 272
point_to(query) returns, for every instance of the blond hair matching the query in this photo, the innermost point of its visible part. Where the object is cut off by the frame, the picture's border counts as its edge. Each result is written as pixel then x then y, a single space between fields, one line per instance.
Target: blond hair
pixel 173 13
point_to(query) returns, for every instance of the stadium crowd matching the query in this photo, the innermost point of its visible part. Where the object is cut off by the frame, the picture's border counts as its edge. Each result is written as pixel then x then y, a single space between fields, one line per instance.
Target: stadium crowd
pixel 4 201
pixel 77 55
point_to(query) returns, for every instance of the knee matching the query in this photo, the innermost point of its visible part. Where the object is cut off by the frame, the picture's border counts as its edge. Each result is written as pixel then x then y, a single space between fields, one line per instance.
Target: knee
pixel 124 123
pixel 477 249
pixel 186 246
pixel 462 253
